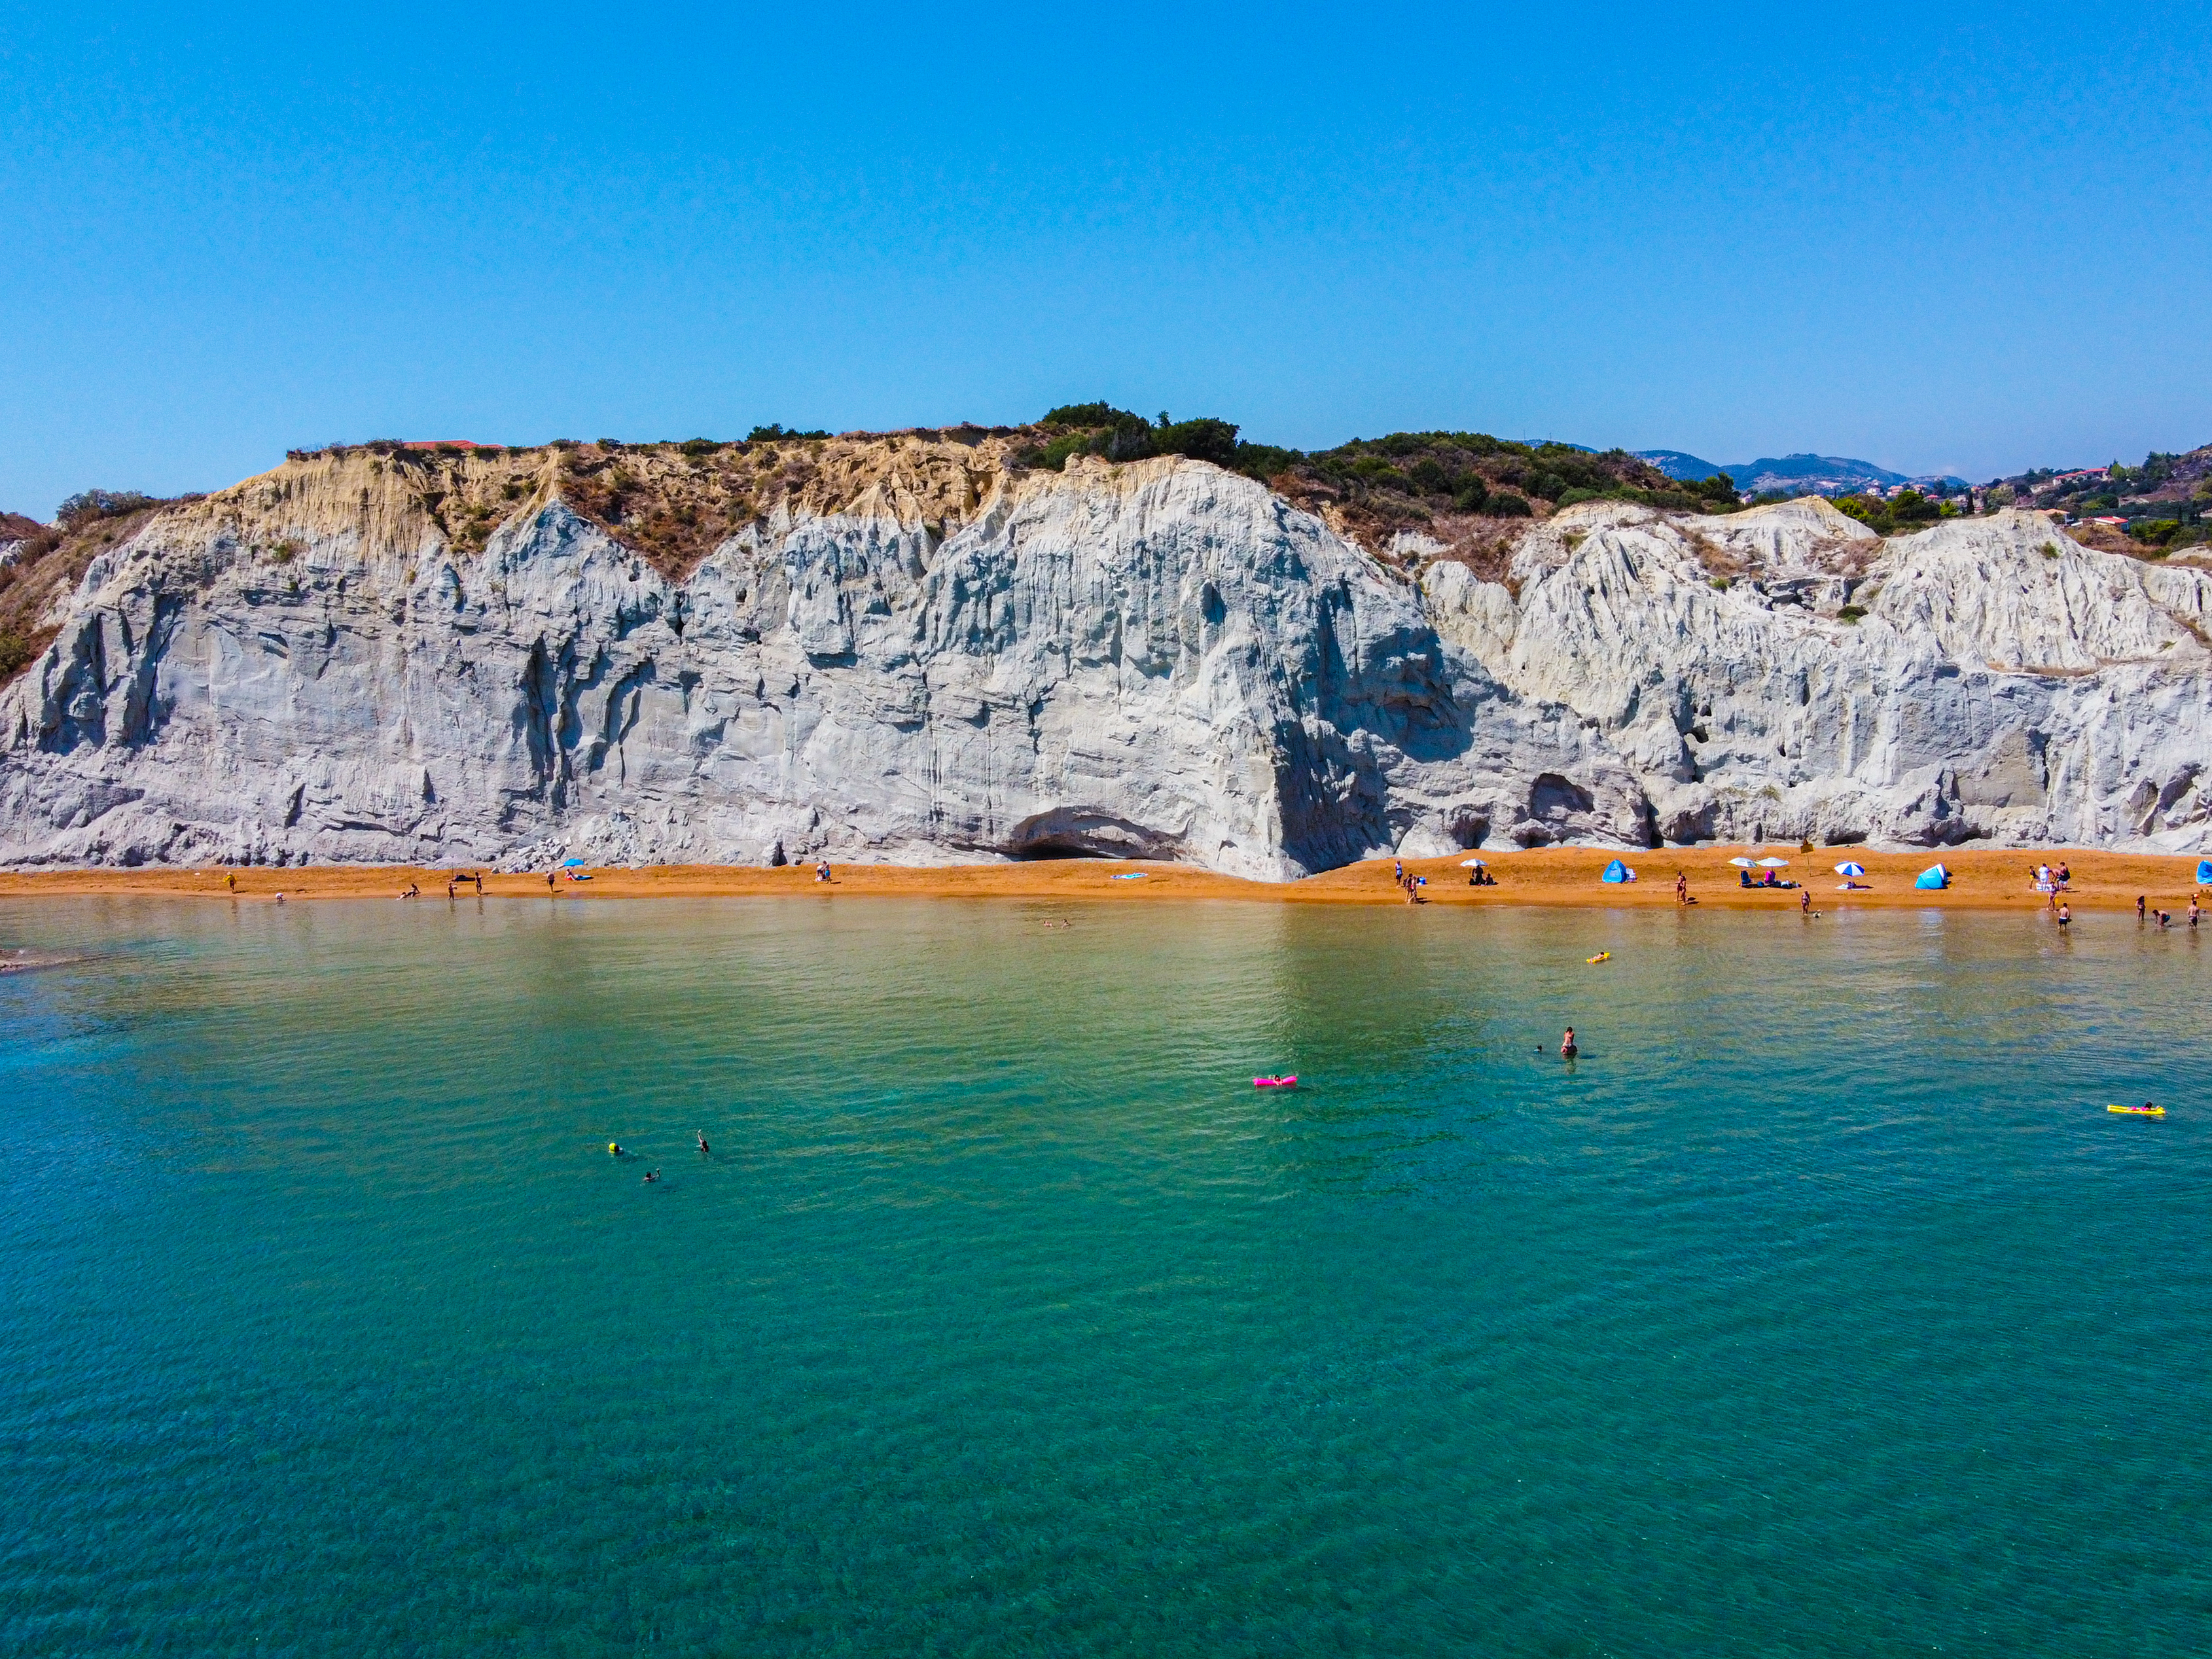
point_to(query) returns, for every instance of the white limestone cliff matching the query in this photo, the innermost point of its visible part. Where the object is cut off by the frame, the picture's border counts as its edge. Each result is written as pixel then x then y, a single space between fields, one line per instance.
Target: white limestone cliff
pixel 1160 660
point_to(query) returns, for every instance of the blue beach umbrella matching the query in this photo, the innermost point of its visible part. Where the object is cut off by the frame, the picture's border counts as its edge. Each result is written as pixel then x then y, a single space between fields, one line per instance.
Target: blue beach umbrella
pixel 1851 867
pixel 572 864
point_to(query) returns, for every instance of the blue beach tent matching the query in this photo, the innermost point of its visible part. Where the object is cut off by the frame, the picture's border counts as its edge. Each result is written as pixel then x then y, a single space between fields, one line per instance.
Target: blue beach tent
pixel 1615 871
pixel 1934 876
pixel 2204 872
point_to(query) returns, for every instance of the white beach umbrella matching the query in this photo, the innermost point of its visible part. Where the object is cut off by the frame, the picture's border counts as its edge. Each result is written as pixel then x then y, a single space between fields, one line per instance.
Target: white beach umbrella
pixel 1774 864
pixel 1744 864
pixel 1851 867
pixel 1471 863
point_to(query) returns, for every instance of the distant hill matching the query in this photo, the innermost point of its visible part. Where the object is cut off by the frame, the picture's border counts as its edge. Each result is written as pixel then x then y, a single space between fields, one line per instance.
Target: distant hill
pixel 1811 474
pixel 1791 475
pixel 1676 465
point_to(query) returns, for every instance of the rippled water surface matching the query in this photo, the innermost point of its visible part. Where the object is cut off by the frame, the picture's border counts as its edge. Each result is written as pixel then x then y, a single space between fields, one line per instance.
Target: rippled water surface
pixel 1820 1308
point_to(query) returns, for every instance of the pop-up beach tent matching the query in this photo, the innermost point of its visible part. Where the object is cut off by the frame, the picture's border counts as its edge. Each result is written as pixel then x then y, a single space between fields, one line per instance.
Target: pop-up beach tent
pixel 2204 872
pixel 1616 871
pixel 1933 877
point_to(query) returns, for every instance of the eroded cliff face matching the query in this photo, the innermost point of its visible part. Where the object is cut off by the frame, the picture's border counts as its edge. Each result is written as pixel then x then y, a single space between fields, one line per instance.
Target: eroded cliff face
pixel 1986 678
pixel 907 649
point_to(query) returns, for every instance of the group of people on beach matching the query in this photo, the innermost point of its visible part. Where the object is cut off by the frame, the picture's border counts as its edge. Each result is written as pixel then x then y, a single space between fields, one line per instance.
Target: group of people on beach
pixel 453 880
pixel 1412 883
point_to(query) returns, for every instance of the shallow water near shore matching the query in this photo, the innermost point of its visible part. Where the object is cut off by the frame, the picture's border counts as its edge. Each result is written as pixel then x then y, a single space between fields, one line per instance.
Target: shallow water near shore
pixel 1820 1308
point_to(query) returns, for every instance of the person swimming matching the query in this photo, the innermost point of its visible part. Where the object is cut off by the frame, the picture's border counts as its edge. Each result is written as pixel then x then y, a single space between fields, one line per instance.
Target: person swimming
pixel 614 1149
pixel 1567 1047
pixel 652 1175
pixel 701 1134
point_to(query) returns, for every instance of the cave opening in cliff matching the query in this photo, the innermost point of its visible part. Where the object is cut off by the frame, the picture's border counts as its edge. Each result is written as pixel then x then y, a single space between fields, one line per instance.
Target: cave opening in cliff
pixel 1037 851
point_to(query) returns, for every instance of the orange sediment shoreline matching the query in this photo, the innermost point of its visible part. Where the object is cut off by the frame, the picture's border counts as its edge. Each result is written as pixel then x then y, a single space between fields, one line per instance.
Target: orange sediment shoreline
pixel 1982 880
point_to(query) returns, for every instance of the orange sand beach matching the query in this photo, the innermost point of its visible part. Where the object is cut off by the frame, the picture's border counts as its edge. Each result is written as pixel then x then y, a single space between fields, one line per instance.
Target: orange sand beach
pixel 1982 880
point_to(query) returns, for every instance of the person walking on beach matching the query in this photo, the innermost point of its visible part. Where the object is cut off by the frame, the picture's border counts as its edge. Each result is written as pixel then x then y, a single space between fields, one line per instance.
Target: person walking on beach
pixel 479 883
pixel 232 881
pixel 1681 888
pixel 549 887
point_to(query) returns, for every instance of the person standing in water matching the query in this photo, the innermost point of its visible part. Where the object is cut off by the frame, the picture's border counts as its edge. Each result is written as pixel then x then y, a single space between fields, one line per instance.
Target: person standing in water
pixel 2139 908
pixel 2065 917
pixel 1568 1049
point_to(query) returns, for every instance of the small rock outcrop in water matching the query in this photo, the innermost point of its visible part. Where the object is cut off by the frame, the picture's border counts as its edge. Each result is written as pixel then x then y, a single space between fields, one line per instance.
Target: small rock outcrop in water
pixel 910 649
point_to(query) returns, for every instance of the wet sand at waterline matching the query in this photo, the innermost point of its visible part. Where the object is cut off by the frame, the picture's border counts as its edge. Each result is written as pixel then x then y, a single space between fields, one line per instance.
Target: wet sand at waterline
pixel 1982 878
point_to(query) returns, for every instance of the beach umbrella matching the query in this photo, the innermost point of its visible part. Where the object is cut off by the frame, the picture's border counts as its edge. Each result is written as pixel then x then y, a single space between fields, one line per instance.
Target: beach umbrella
pixel 1774 864
pixel 1851 867
pixel 1744 864
pixel 1473 863
pixel 572 864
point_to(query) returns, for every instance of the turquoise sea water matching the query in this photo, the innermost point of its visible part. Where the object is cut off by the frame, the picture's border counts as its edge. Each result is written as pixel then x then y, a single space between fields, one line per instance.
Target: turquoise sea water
pixel 1820 1309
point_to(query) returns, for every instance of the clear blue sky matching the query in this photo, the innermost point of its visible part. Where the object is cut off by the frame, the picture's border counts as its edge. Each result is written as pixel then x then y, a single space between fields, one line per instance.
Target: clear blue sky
pixel 1966 238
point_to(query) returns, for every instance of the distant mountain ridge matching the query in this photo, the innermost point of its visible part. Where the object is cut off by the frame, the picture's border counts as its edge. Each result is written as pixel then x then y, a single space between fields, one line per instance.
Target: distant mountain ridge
pixel 1792 475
